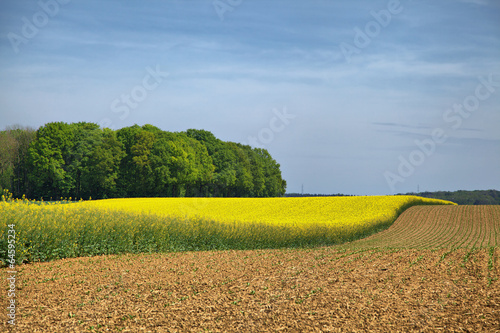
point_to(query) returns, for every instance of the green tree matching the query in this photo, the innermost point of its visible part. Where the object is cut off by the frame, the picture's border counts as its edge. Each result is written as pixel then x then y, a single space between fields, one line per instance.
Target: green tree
pixel 14 143
pixel 224 160
pixel 8 150
pixel 244 186
pixel 126 182
pixel 275 185
pixel 99 180
pixel 46 159
pixel 140 151
pixel 85 137
pixel 82 160
pixel 24 136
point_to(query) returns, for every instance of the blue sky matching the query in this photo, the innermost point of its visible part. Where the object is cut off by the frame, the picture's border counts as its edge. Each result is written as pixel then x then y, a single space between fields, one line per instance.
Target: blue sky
pixel 354 97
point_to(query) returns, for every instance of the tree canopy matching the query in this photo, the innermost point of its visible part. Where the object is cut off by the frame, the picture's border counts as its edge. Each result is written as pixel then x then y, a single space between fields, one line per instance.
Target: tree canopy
pixel 478 197
pixel 82 160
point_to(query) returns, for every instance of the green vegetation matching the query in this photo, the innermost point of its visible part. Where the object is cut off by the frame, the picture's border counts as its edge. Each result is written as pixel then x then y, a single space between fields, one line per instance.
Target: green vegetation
pixel 489 197
pixel 81 160
pixel 46 232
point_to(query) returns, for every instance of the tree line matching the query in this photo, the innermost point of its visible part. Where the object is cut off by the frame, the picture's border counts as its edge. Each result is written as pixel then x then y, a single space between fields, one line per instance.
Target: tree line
pixel 82 160
pixel 477 197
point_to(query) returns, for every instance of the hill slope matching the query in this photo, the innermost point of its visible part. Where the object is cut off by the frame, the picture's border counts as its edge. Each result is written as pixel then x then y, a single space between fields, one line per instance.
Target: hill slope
pixel 440 227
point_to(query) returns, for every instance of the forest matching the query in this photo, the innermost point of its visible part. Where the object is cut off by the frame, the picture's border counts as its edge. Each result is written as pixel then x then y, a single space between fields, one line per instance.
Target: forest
pixel 478 197
pixel 461 197
pixel 82 160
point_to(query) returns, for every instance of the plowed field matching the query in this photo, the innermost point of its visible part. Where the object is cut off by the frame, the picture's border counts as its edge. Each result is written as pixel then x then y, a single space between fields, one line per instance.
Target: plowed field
pixel 328 289
pixel 440 227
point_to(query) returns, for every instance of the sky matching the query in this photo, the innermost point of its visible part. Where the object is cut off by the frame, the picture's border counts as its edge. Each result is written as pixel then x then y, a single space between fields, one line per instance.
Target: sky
pixel 353 97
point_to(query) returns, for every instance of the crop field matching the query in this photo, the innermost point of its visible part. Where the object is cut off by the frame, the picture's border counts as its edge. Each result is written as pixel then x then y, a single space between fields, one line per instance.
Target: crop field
pixel 440 227
pixel 326 289
pixel 435 269
pixel 296 212
pixel 55 231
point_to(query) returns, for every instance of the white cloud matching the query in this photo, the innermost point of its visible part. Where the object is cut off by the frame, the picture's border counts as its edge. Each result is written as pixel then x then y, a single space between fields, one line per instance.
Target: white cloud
pixel 228 76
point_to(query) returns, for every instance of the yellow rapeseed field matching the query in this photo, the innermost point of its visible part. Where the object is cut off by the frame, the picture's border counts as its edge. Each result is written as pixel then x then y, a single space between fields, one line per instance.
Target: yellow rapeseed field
pixel 47 231
pixel 296 212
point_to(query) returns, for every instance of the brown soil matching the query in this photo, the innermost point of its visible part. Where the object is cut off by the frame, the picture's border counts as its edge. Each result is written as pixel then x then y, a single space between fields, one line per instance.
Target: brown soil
pixel 317 290
pixel 440 227
pixel 362 286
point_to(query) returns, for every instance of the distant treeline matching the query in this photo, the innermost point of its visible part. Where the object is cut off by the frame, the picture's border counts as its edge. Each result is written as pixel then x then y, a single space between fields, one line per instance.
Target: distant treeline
pixel 488 197
pixel 82 160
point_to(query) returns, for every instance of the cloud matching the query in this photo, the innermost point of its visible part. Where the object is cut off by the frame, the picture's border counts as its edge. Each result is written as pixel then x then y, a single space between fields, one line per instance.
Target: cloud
pixel 477 2
pixel 227 76
pixel 400 125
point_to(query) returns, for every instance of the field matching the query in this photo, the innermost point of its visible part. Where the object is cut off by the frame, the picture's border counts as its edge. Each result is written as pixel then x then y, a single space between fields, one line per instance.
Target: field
pixel 435 269
pixel 55 231
pixel 440 227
